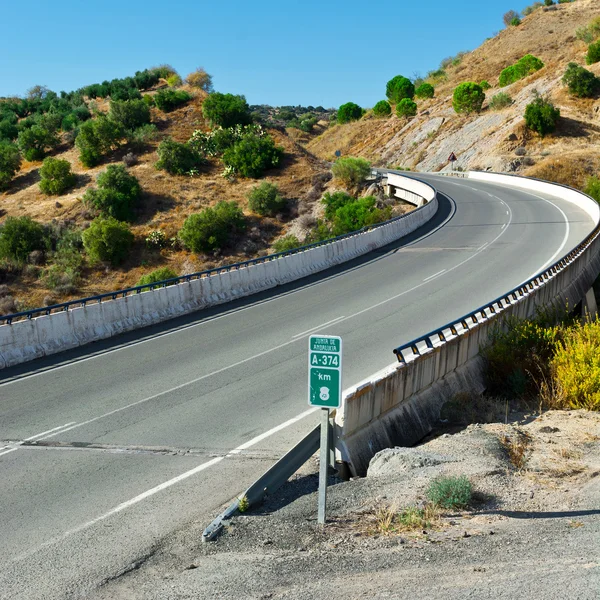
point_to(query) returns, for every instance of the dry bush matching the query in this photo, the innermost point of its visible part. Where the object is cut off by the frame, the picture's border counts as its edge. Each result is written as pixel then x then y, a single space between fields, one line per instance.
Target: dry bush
pixel 517 447
pixel 572 170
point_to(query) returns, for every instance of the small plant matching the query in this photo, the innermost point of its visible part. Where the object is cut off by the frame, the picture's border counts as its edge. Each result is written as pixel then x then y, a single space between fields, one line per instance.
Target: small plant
pixel 19 236
pixel 10 163
pixel 485 85
pixel 176 158
pixel 107 240
pixel 117 194
pixel 243 504
pixel 593 53
pixel 385 518
pixel 156 276
pixel 592 188
pixel 425 90
pixel 56 176
pixel 515 22
pixel 351 171
pixel 580 81
pixel 413 518
pixel 541 116
pixel 516 447
pixel 398 88
pixel 450 492
pixel 349 112
pixel 510 16
pixel 266 200
pixel 500 100
pixel 382 109
pixel 156 240
pixel 467 98
pixel 406 108
pixel 169 99
pixel 174 80
pixel 285 243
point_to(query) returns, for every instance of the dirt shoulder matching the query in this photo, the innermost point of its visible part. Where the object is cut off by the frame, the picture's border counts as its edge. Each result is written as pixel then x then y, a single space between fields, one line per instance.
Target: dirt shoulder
pixel 532 531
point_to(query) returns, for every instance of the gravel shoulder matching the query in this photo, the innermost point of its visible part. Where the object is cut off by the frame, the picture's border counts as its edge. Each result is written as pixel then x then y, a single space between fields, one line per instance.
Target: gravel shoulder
pixel 532 530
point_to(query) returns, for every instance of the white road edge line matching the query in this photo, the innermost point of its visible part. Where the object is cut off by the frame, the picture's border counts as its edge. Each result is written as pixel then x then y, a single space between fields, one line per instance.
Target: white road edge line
pixel 34 437
pixel 318 327
pixel 432 276
pixel 163 486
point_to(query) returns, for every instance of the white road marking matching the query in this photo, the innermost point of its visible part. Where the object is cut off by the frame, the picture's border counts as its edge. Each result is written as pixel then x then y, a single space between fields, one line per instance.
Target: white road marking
pixel 35 437
pixel 317 327
pixel 163 486
pixel 432 276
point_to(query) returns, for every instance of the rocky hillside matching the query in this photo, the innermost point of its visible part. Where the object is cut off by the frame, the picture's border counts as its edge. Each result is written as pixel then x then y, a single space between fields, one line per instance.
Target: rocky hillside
pixel 493 139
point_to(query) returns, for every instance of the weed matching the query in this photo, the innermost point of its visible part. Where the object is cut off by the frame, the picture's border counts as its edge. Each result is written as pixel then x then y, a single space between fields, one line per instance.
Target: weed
pixel 413 518
pixel 450 492
pixel 243 504
pixel 516 447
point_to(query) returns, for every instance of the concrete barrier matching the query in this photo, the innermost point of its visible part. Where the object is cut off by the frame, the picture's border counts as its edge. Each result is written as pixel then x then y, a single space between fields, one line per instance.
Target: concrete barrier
pixel 26 340
pixel 401 404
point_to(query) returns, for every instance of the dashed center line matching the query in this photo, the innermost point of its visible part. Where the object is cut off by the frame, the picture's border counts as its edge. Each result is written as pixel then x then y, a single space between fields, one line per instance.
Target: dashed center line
pixel 432 276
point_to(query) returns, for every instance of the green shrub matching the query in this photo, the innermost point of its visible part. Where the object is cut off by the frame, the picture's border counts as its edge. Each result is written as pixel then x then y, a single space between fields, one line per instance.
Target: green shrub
pixel 450 492
pixel 580 81
pixel 168 100
pixel 398 88
pixel 382 109
pixel 19 236
pixel 425 90
pixel 35 140
pixel 157 275
pixel 285 243
pixel 130 114
pixel 64 274
pixel 406 108
pixel 107 240
pixel 468 97
pixel 212 228
pixel 349 112
pixel 590 32
pixel 485 85
pixel 8 130
pixel 549 2
pixel 525 66
pixel 176 158
pixel 252 155
pixel 215 142
pixel 226 110
pixel 319 233
pixel 351 171
pixel 117 193
pixel 511 16
pixel 148 100
pixel 10 163
pixel 541 116
pixel 56 176
pixel 96 138
pixel 335 200
pixel 358 214
pixel 174 80
pixel 500 100
pixel 593 53
pixel 532 8
pixel 143 135
pixel 592 188
pixel 266 200
pixel 515 22
pixel 163 71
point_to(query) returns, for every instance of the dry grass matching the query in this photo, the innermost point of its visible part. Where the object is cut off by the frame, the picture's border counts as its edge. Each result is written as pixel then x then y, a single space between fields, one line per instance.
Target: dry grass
pixel 517 447
pixel 388 520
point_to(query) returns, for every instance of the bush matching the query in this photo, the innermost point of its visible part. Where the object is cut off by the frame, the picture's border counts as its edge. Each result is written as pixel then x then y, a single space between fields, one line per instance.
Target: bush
pixel 450 492
pixel 200 79
pixel 212 228
pixel 177 159
pixel 593 53
pixel 382 109
pixel 349 112
pixel 117 193
pixel 406 108
pixel 130 114
pixel 143 135
pixel 335 200
pixel 590 32
pixel 425 90
pixel 35 140
pixel 56 176
pixel 532 8
pixel 107 240
pixel 510 17
pixel 148 100
pixel 226 110
pixel 266 200
pixel 358 214
pixel 580 81
pixel 468 97
pixel 287 242
pixel 541 116
pixel 516 22
pixel 157 275
pixel 168 100
pixel 10 163
pixel 351 171
pixel 96 138
pixel 174 81
pixel 399 88
pixel 19 236
pixel 8 130
pixel 522 68
pixel 252 155
pixel 500 100
pixel 592 188
pixel 64 275
pixel 485 85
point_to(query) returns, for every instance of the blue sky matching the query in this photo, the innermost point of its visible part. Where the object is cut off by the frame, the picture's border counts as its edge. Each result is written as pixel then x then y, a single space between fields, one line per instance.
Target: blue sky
pixel 320 53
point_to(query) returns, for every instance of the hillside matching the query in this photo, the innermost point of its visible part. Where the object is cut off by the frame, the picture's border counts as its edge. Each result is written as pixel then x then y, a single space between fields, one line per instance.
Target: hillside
pixel 488 140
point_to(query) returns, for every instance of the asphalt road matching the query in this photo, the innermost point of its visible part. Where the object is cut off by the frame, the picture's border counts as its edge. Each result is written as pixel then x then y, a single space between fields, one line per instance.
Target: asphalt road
pixel 106 450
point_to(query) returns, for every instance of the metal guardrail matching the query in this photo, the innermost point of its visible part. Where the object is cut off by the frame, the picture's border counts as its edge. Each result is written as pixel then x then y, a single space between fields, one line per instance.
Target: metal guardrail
pixel 65 306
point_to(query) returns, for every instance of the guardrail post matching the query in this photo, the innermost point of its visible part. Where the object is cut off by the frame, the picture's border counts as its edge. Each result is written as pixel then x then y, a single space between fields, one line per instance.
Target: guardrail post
pixel 324 460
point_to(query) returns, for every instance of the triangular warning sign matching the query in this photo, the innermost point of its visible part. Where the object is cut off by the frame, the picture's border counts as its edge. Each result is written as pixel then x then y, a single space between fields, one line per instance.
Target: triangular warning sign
pixel 452 158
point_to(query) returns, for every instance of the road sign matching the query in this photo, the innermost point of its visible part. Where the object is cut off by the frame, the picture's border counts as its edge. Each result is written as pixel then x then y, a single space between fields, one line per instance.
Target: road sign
pixel 452 157
pixel 325 371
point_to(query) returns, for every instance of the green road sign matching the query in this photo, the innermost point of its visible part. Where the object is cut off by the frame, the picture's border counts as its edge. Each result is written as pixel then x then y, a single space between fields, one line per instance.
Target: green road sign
pixel 325 371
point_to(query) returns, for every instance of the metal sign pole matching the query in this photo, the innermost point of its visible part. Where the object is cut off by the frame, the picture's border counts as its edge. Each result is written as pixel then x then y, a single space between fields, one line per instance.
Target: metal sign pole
pixel 323 465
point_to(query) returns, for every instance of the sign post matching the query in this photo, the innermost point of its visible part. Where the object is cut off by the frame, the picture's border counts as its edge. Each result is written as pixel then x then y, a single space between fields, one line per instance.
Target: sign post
pixel 452 159
pixel 325 391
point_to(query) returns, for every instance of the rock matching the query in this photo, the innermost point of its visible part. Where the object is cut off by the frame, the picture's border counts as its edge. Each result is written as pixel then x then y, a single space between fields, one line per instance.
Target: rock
pixel 397 460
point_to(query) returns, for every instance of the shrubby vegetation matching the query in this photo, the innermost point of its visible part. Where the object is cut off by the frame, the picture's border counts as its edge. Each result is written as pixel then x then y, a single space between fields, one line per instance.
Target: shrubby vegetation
pixel 56 176
pixel 117 194
pixel 212 228
pixel 593 53
pixel 168 100
pixel 541 116
pixel 398 88
pixel 357 214
pixel 226 110
pixel 287 242
pixel 252 155
pixel 522 68
pixel 349 112
pixel 335 200
pixel 157 275
pixel 500 100
pixel 178 159
pixel 64 274
pixel 129 114
pixel 19 236
pixel 592 188
pixel 382 109
pixel 34 141
pixel 580 81
pixel 511 17
pixel 468 97
pixel 485 85
pixel 200 79
pixel 406 108
pixel 266 200
pixel 10 162
pixel 96 138
pixel 590 32
pixel 425 90
pixel 351 171
pixel 107 239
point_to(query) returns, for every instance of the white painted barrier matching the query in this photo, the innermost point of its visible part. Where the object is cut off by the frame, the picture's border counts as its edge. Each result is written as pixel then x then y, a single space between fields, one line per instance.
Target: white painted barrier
pixel 26 340
pixel 401 404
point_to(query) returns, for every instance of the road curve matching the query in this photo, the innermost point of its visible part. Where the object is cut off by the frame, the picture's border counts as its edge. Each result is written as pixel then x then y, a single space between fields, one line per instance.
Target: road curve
pixel 107 449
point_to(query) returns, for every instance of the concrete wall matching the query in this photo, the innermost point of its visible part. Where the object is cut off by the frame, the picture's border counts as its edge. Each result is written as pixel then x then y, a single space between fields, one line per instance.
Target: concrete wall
pixel 401 404
pixel 25 340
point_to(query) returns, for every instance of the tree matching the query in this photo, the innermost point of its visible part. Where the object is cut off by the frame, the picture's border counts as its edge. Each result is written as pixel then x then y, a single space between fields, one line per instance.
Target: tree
pixel 398 88
pixel 349 112
pixel 176 158
pixel 406 108
pixel 351 171
pixel 358 214
pixel 252 155
pixel 266 200
pixel 382 109
pixel 117 194
pixel 226 110
pixel 200 79
pixel 468 97
pixel 510 17
pixel 541 116
pixel 212 228
pixel 19 236
pixel 580 81
pixel 96 138
pixel 334 200
pixel 10 162
pixel 425 90
pixel 593 53
pixel 130 114
pixel 34 141
pixel 107 240
pixel 56 176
